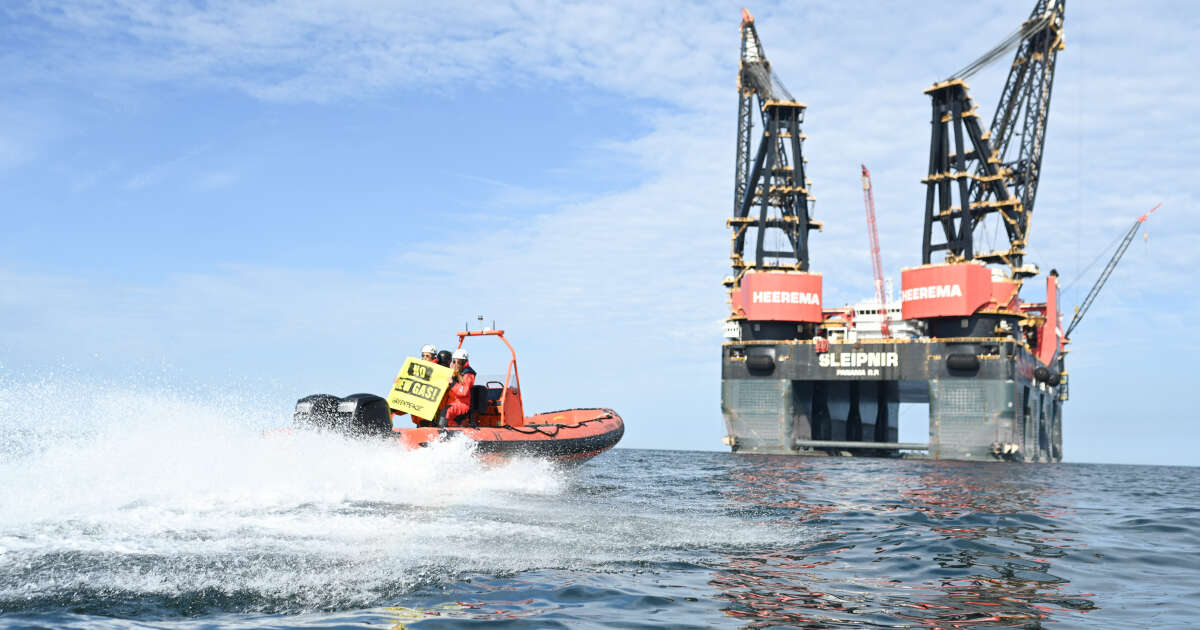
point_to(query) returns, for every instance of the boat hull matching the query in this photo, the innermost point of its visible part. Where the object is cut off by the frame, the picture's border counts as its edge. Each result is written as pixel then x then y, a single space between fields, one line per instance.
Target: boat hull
pixel 570 435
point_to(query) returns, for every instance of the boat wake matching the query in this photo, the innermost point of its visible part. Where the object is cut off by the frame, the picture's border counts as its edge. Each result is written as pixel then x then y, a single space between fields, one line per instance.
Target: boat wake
pixel 155 505
pixel 159 494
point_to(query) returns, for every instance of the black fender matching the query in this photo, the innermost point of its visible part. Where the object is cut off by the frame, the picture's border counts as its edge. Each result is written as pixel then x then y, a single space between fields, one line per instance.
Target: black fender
pixel 963 362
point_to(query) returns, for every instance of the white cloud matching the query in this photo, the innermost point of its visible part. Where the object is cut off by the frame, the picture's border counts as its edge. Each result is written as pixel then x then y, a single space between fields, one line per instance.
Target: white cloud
pixel 326 50
pixel 216 179
pixel 27 128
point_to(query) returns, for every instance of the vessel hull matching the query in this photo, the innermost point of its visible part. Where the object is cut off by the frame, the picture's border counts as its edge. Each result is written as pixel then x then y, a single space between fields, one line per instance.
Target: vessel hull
pixel 572 435
pixel 987 398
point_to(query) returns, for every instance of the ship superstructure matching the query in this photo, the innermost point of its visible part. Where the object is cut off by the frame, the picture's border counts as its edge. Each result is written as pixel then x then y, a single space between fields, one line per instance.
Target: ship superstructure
pixel 800 377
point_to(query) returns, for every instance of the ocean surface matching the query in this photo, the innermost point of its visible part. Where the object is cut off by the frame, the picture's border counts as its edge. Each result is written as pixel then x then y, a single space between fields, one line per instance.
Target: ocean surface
pixel 185 516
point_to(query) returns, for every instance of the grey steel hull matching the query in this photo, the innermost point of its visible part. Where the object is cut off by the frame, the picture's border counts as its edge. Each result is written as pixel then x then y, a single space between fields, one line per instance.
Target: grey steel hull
pixel 784 397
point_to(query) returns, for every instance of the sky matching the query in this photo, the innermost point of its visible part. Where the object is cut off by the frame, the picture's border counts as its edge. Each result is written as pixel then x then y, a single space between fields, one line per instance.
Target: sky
pixel 281 198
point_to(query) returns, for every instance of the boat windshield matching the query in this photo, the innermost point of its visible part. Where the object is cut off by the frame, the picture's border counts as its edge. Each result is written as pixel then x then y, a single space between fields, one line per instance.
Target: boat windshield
pixel 489 377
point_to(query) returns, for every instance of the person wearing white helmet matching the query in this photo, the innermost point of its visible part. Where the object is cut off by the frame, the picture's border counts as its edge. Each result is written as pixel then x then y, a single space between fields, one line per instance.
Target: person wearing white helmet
pixel 458 399
pixel 428 353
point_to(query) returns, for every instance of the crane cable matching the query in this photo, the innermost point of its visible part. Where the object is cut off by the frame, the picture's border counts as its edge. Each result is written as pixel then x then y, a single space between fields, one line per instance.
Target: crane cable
pixel 1028 29
pixel 1079 276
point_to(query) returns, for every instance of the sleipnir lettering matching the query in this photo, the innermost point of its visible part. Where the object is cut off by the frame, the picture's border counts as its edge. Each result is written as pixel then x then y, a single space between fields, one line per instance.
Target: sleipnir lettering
pixel 859 359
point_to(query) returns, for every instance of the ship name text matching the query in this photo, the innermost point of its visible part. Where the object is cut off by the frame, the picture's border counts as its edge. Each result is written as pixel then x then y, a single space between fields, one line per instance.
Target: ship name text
pixel 785 297
pixel 858 363
pixel 932 292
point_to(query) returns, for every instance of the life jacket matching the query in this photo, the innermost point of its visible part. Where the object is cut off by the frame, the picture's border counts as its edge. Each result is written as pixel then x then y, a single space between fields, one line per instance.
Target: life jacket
pixel 460 391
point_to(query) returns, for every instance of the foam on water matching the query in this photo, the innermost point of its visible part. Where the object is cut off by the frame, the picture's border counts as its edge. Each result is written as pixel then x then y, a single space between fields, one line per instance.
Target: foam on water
pixel 164 494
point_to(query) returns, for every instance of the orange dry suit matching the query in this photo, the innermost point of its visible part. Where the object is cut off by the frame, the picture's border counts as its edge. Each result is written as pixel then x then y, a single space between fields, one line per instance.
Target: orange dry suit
pixel 458 399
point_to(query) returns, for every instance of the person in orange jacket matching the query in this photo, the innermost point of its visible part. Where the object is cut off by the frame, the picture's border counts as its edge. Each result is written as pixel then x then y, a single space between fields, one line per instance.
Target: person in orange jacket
pixel 458 399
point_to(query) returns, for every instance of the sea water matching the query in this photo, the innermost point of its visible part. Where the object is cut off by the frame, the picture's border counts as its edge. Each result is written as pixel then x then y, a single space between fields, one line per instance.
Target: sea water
pixel 169 511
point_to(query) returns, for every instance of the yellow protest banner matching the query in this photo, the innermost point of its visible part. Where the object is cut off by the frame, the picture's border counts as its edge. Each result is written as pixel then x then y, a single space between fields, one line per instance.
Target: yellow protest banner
pixel 419 388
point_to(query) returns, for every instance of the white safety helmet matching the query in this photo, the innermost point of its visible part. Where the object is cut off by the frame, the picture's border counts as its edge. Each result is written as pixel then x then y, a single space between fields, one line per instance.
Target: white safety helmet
pixel 460 354
pixel 428 349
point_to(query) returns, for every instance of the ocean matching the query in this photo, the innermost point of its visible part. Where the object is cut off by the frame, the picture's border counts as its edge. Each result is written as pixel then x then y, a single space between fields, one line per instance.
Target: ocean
pixel 186 516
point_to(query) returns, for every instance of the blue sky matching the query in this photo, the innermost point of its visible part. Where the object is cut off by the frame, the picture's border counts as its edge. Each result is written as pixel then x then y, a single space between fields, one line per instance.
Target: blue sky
pixel 287 197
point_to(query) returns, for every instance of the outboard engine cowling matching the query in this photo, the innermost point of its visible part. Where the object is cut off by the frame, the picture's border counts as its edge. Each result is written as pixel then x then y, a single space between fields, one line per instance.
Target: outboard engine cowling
pixel 318 411
pixel 356 415
pixel 364 414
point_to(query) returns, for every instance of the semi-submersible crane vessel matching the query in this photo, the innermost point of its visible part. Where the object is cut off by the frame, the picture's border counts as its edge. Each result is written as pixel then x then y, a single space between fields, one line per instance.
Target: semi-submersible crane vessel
pixel 798 378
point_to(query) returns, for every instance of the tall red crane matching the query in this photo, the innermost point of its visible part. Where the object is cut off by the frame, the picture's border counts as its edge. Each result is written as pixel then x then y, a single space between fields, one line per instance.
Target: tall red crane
pixel 876 259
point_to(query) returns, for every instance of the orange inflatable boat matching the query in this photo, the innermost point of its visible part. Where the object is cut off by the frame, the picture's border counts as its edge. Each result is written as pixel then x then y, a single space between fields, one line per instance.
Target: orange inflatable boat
pixel 495 420
pixel 569 435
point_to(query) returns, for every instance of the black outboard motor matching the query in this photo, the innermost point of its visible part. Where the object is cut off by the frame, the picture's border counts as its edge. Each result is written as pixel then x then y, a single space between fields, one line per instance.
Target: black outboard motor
pixel 318 411
pixel 365 414
pixel 355 415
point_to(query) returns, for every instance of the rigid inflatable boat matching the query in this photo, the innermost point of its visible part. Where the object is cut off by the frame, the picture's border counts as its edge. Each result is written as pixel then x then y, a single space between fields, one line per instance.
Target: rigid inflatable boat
pixel 496 420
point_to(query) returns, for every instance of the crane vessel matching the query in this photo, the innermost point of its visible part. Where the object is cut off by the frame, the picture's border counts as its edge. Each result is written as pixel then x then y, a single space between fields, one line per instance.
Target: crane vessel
pixel 799 378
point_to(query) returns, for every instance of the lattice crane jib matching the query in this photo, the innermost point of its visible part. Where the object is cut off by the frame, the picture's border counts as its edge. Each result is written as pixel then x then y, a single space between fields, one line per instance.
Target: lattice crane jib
pixel 1082 309
pixel 772 204
pixel 994 171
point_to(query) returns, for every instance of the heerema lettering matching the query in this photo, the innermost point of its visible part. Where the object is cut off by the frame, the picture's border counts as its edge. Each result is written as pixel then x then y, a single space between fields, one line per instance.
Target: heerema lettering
pixel 785 297
pixel 930 293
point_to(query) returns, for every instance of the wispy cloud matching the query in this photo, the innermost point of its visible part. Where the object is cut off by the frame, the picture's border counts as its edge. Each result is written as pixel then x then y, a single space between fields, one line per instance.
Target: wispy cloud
pixel 505 195
pixel 213 180
pixel 27 129
pixel 325 50
pixel 156 172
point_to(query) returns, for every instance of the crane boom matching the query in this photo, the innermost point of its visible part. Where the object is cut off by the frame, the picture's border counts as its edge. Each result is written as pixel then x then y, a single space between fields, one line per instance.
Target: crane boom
pixel 770 193
pixel 1108 269
pixel 975 172
pixel 876 258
